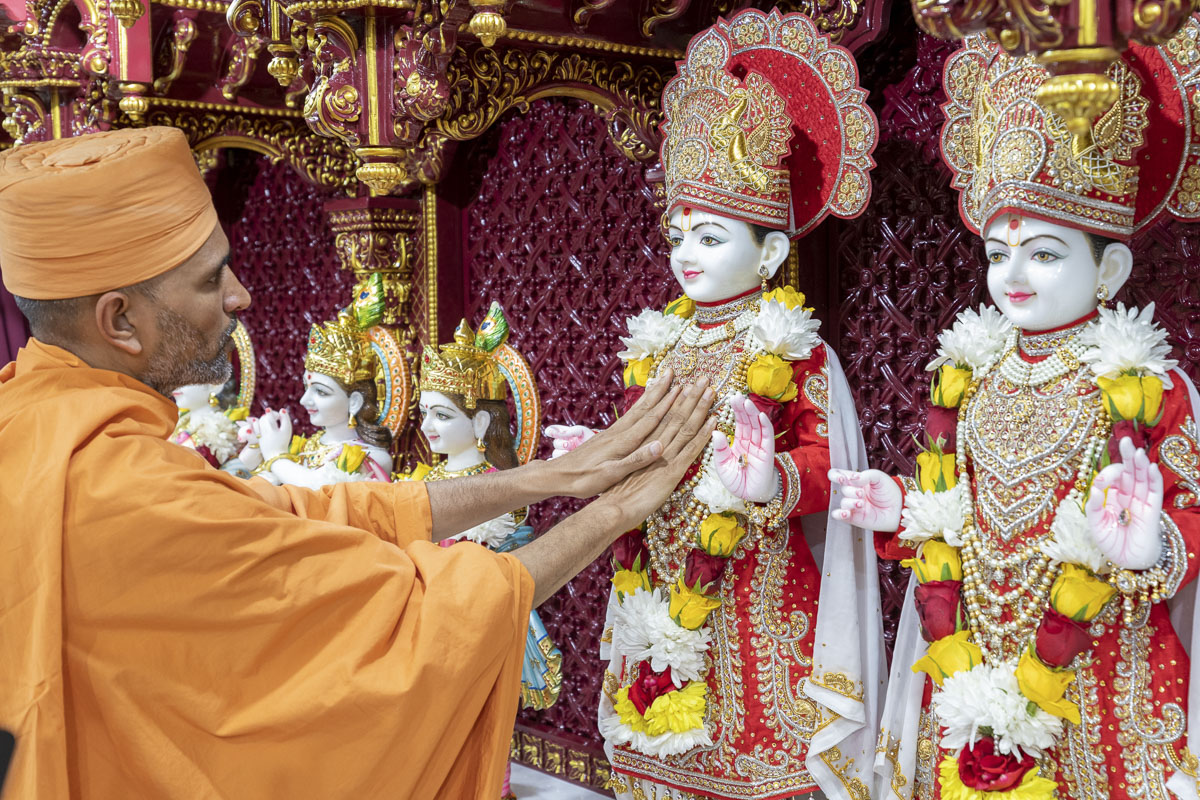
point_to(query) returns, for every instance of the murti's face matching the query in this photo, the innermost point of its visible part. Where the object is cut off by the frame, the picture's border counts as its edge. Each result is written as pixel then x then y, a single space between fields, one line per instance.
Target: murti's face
pixel 325 400
pixel 446 426
pixel 193 396
pixel 1041 275
pixel 713 257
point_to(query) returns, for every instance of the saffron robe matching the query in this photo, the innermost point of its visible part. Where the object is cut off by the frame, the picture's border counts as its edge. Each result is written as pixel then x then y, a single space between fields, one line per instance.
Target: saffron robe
pixel 169 630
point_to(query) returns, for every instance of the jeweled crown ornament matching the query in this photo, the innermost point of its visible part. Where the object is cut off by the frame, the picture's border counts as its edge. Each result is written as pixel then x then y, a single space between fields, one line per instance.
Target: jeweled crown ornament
pixel 1009 154
pixel 467 365
pixel 766 123
pixel 342 348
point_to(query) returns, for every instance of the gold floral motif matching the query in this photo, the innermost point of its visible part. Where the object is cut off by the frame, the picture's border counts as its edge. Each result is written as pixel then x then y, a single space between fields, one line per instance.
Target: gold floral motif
pixel 889 747
pixel 927 755
pixel 1180 452
pixel 854 787
pixel 1079 754
pixel 816 389
pixel 1146 728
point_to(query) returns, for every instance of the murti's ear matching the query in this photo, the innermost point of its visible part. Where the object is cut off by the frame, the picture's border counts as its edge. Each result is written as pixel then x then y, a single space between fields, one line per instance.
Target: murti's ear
pixel 1116 265
pixel 355 402
pixel 481 422
pixel 775 251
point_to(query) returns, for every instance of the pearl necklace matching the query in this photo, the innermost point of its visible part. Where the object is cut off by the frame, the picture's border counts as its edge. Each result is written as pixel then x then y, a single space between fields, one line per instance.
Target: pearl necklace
pixel 695 336
pixel 1020 372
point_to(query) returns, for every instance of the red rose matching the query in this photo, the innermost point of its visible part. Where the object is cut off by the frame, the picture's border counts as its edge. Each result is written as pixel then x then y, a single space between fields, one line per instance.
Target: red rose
pixel 985 770
pixel 943 423
pixel 702 567
pixel 939 606
pixel 632 395
pixel 1060 639
pixel 648 685
pixel 1121 429
pixel 630 550
pixel 209 455
pixel 766 405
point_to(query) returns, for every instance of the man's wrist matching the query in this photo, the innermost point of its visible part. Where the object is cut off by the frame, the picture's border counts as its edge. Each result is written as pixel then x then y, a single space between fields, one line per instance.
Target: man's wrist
pixel 540 480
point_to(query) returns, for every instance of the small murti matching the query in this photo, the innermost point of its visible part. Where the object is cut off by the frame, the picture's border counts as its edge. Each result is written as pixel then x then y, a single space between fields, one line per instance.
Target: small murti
pixel 356 391
pixel 739 663
pixel 464 418
pixel 1053 515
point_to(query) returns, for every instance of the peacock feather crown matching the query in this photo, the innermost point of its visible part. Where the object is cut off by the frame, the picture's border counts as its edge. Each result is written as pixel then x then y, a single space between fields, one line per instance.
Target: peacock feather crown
pixel 467 366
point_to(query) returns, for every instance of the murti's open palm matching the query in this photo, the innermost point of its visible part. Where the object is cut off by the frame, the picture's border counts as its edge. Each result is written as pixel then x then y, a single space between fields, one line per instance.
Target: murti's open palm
pixel 747 467
pixel 869 499
pixel 1124 507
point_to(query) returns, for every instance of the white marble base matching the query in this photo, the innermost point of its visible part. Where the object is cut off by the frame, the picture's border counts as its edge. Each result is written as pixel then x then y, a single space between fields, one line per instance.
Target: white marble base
pixel 530 784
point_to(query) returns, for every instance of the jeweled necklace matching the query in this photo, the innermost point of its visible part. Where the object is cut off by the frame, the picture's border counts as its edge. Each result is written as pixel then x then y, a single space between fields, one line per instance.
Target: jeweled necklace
pixel 1063 360
pixel 723 321
pixel 439 472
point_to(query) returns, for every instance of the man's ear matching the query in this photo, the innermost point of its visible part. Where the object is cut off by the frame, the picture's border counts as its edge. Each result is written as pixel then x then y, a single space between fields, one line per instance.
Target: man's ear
pixel 115 323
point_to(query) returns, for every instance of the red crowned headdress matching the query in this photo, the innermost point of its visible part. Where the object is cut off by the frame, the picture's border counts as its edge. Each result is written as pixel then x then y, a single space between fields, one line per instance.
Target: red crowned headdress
pixel 766 123
pixel 1010 155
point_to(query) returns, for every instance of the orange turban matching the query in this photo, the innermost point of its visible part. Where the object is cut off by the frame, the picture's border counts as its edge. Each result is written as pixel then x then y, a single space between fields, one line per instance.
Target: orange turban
pixel 92 213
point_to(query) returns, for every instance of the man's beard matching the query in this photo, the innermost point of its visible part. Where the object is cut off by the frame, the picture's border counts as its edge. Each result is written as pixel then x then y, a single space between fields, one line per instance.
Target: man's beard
pixel 177 364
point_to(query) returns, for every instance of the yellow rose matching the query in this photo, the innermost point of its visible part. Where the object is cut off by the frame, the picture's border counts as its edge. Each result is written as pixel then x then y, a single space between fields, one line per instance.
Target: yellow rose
pixel 351 458
pixel 1132 397
pixel 937 561
pixel 786 295
pixel 297 445
pixel 949 383
pixel 237 413
pixel 627 711
pixel 719 534
pixel 681 307
pixel 690 609
pixel 419 472
pixel 1079 595
pixel 628 581
pixel 679 711
pixel 949 655
pixel 771 376
pixel 1046 686
pixel 637 373
pixel 935 471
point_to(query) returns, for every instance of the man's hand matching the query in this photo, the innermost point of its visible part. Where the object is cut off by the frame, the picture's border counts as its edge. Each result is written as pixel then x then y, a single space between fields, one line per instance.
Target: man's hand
pixel 684 436
pixel 633 442
pixel 747 468
pixel 870 499
pixel 1124 507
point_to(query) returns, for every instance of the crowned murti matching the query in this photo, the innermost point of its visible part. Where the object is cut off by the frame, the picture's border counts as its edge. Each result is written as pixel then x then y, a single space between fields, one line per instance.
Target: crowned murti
pixel 356 391
pixel 1041 649
pixel 725 676
pixel 209 414
pixel 464 417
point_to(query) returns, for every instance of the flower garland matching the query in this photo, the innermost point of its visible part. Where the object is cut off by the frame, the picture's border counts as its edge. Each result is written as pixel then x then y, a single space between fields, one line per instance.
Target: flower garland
pixel 212 433
pixel 660 630
pixel 999 716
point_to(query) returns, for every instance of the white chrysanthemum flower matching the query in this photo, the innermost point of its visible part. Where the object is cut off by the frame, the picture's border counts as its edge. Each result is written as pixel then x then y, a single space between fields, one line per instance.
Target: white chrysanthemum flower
pixel 215 431
pixel 491 533
pixel 789 333
pixel 614 731
pixel 1071 539
pixel 989 697
pixel 1123 340
pixel 671 744
pixel 713 494
pixel 650 332
pixel 644 631
pixel 933 515
pixel 329 474
pixel 976 338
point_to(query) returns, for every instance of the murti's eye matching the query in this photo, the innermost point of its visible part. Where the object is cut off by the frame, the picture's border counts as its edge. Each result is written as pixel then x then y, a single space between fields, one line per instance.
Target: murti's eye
pixel 995 257
pixel 1044 256
pixel 675 241
pixel 710 240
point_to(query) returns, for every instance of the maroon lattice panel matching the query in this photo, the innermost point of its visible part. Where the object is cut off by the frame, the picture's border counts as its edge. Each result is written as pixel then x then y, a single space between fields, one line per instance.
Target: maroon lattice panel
pixel 564 234
pixel 282 250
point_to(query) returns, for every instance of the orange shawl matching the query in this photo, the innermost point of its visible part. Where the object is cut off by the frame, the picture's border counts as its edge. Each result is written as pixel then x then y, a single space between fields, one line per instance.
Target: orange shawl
pixel 168 630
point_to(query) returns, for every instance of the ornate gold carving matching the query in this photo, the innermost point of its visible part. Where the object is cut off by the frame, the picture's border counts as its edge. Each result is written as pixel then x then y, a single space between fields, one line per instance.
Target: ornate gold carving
pixel 380 170
pixel 663 11
pixel 380 239
pixel 833 17
pixel 284 65
pixel 429 232
pixel 337 6
pixel 211 6
pixel 588 8
pixel 134 102
pixel 1079 99
pixel 182 36
pixel 244 17
pixel 24 116
pixel 487 84
pixel 487 23
pixel 588 43
pixel 277 134
pixel 333 106
pixel 243 56
pixel 127 12
pixel 96 54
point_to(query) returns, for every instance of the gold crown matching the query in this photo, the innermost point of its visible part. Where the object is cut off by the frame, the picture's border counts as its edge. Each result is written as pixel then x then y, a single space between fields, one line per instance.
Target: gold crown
pixel 341 350
pixel 464 369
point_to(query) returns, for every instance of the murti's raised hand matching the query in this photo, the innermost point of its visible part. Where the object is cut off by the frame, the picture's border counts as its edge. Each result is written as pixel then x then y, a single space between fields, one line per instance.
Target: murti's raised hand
pixel 566 438
pixel 869 499
pixel 747 468
pixel 1124 509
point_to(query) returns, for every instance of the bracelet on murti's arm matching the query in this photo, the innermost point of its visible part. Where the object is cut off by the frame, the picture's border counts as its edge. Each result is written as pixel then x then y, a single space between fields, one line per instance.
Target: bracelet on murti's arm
pixel 266 465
